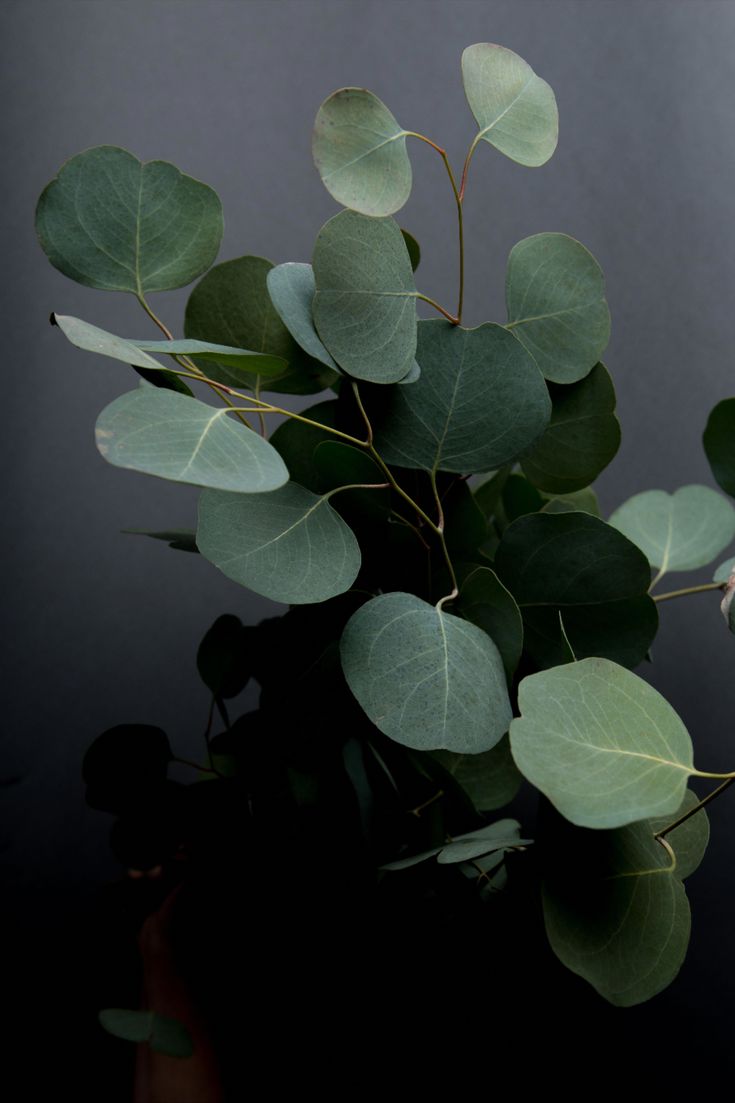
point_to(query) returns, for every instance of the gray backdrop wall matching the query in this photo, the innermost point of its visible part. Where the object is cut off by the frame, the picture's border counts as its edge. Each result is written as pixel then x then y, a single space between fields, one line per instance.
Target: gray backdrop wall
pixel 102 628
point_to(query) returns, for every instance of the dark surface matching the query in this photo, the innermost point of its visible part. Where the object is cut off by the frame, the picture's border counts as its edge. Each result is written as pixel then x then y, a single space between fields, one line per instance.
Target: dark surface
pixel 101 628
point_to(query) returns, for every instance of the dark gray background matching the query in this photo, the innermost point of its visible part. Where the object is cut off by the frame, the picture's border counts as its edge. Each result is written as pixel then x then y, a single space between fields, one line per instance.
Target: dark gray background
pixel 102 628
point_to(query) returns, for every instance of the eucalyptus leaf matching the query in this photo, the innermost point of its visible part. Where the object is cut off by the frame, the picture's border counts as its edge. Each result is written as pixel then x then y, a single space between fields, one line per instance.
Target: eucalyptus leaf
pixel 292 288
pixel 584 501
pixel 679 531
pixel 490 780
pixel 340 465
pixel 615 912
pixel 719 444
pixel 296 441
pixel 232 306
pixel 414 249
pixel 92 339
pixel 484 600
pixel 480 402
pixel 723 572
pixel 179 438
pixel 515 109
pixel 500 835
pixel 116 223
pixel 555 294
pixel 582 438
pixel 575 563
pixel 289 545
pixel 424 677
pixel 604 746
pixel 365 302
pixel 223 657
pixel 224 355
pixel 360 153
pixel 163 1034
pixel 180 539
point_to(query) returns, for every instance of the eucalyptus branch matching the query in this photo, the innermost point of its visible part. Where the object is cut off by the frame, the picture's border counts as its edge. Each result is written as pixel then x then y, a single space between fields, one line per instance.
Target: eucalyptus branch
pixel 697 807
pixel 706 586
pixel 458 200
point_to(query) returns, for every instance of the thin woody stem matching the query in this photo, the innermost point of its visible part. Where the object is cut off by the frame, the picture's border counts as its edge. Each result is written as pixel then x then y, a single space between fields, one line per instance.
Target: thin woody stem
pixel 689 590
pixel 697 807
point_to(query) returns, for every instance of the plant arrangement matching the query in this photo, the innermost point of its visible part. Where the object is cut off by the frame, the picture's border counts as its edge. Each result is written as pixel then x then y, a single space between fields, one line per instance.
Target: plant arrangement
pixel 461 617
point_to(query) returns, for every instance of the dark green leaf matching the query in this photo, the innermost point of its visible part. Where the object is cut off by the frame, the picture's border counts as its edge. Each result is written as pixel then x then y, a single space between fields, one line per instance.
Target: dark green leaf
pixel 576 563
pixel 223 658
pixel 484 600
pixel 174 437
pixel 719 444
pixel 414 249
pixel 555 292
pixel 164 1035
pixel 296 442
pixel 180 539
pixel 231 306
pixel 360 152
pixel 113 222
pixel 425 678
pixel 289 545
pixel 480 401
pixel 582 438
pixel 490 780
pixel 515 109
pixel 365 301
pixel 341 465
pixel 604 746
pixel 584 501
pixel 615 912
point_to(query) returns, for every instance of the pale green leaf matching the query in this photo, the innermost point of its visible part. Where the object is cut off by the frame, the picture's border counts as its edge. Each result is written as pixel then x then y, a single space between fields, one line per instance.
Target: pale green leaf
pixel 360 153
pixel 425 678
pixel 289 545
pixel 604 746
pixel 254 362
pixel 723 572
pixel 232 306
pixel 490 780
pixel 615 912
pixel 92 339
pixel 116 223
pixel 555 293
pixel 584 501
pixel 679 531
pixel 365 302
pixel 179 438
pixel 515 109
pixel 480 402
pixel 582 438
pixel 464 848
pixel 291 287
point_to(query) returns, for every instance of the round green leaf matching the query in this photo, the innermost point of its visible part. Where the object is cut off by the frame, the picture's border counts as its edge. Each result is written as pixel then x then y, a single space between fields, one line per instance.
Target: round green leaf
pixel 414 249
pixel 584 501
pixel 296 442
pixel 484 600
pixel 291 288
pixel 360 152
pixel 555 293
pixel 582 438
pixel 723 572
pixel 232 306
pixel 719 438
pixel 615 913
pixel 223 657
pixel 577 564
pixel 479 402
pixel 164 1035
pixel 116 223
pixel 179 438
pixel 679 531
pixel 604 746
pixel 425 678
pixel 515 109
pixel 490 780
pixel 289 545
pixel 365 302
